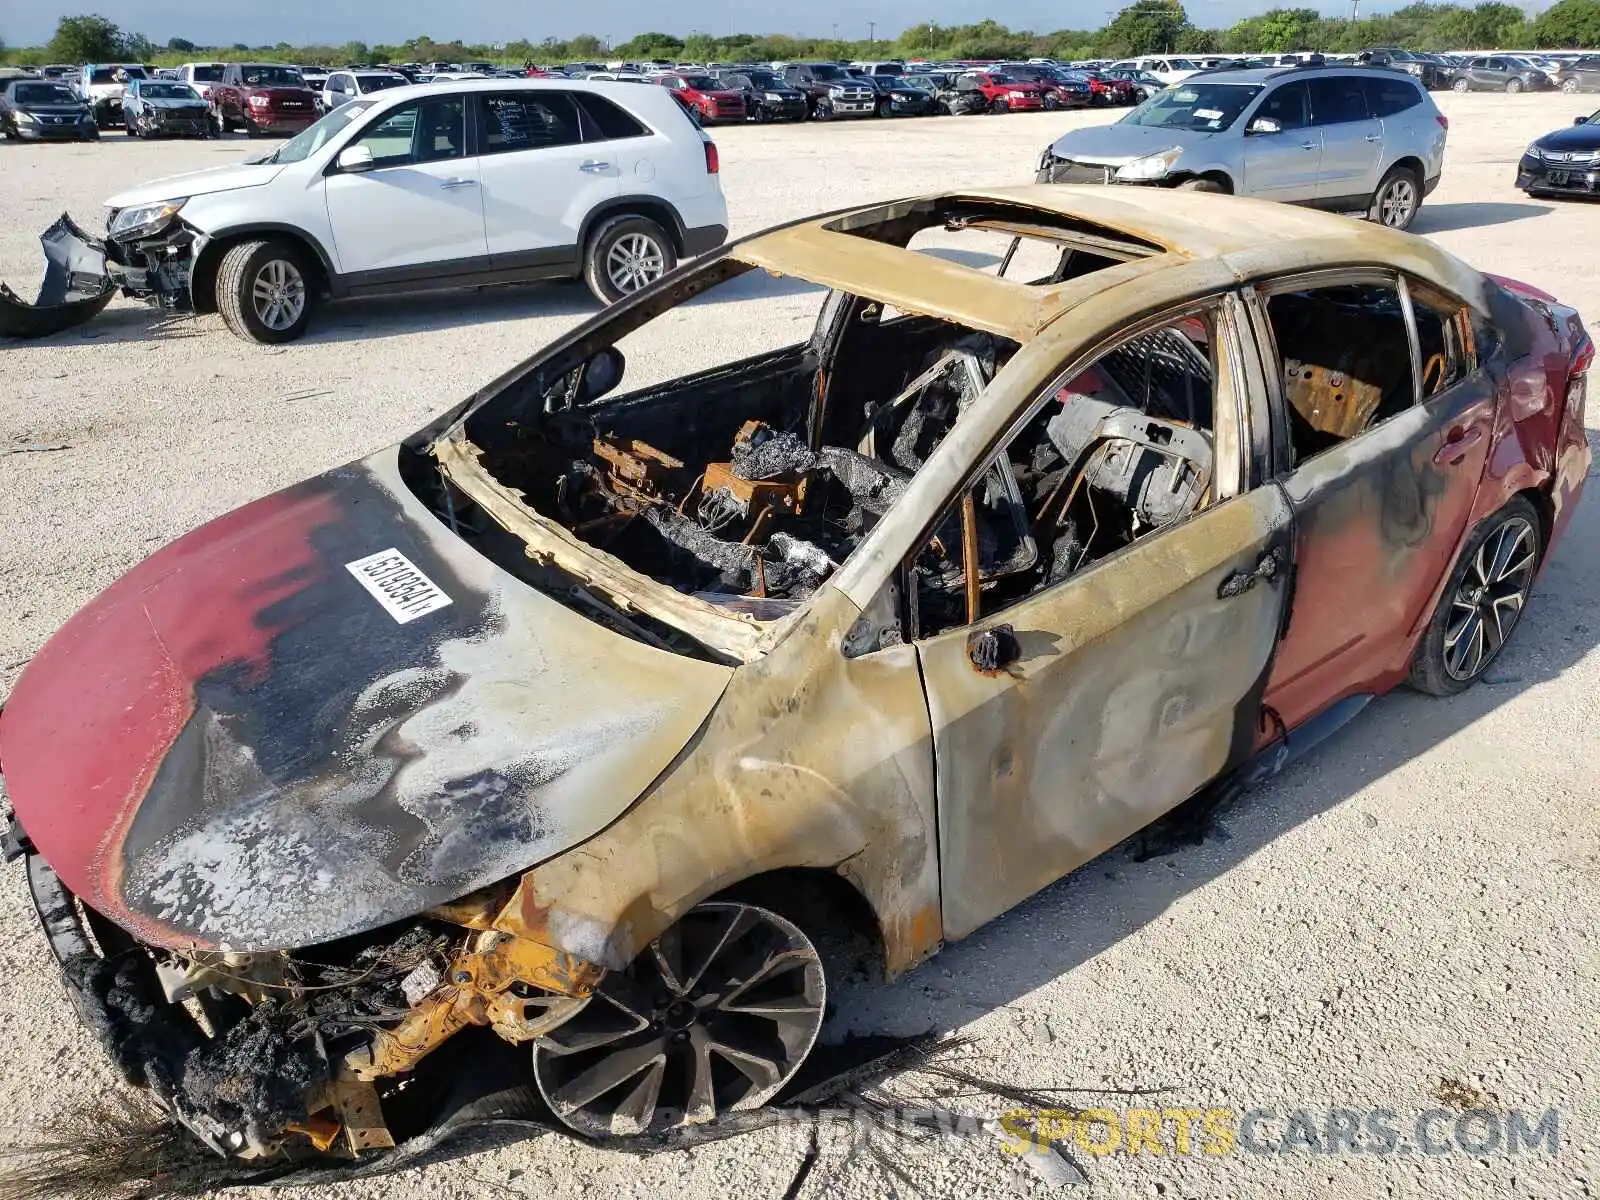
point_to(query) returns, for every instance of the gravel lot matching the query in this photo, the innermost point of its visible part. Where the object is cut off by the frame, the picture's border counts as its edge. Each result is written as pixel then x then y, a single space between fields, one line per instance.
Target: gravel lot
pixel 1404 921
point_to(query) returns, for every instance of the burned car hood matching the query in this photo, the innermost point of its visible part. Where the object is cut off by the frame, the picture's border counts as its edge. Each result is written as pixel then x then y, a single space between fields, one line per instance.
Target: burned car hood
pixel 197 183
pixel 1120 143
pixel 323 713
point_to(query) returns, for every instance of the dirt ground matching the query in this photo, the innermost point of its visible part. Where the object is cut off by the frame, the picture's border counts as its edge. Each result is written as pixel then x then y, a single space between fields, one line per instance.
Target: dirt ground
pixel 1403 921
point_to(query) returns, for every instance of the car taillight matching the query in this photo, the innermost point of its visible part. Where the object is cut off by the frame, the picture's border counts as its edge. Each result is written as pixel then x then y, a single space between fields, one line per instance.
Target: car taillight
pixel 1444 121
pixel 713 161
pixel 1582 360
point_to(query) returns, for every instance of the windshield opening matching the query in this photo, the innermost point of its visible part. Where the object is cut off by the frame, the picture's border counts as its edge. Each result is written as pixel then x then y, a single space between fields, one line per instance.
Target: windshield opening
pixel 314 137
pixel 207 74
pixel 1201 107
pixel 827 72
pixel 701 83
pixel 376 83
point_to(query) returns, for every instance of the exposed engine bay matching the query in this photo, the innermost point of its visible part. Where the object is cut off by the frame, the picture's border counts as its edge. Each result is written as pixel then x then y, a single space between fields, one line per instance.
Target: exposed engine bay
pixel 749 486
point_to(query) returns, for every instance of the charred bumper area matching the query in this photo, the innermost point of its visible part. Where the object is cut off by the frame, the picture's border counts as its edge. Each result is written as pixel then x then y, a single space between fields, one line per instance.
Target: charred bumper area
pixel 271 1060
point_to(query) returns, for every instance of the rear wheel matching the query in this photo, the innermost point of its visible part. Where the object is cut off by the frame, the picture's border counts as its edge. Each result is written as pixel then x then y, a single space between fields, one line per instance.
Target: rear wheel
pixel 1513 86
pixel 625 254
pixel 1397 199
pixel 1569 86
pixel 1460 85
pixel 715 1016
pixel 264 291
pixel 1482 602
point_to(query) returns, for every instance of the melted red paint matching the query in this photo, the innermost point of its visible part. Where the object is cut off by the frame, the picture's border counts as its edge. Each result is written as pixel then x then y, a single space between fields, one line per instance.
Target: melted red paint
pixel 88 724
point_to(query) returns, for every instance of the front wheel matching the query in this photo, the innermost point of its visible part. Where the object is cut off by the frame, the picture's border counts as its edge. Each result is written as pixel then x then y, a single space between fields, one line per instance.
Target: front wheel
pixel 999 105
pixel 1569 86
pixel 715 1016
pixel 264 291
pixel 626 254
pixel 1482 602
pixel 1460 85
pixel 1397 199
pixel 1203 185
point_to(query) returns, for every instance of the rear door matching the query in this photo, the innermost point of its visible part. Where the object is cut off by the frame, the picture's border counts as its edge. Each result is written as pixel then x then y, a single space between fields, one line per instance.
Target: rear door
pixel 540 179
pixel 1352 140
pixel 1285 165
pixel 418 213
pixel 1382 428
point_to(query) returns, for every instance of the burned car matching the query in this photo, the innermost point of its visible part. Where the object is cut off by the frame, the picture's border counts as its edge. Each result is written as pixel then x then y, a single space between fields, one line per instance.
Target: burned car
pixel 595 712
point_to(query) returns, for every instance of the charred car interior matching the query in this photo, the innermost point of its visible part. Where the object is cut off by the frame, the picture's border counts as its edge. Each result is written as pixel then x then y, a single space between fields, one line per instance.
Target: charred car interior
pixel 747 485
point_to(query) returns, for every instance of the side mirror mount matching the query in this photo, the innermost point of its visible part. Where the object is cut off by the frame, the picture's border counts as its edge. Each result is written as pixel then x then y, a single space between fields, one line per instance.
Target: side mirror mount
pixel 1580 120
pixel 1264 125
pixel 601 374
pixel 355 159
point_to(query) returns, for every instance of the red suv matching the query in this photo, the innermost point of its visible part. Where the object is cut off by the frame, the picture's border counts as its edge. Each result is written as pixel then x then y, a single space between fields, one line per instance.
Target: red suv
pixel 263 98
pixel 1006 93
pixel 708 98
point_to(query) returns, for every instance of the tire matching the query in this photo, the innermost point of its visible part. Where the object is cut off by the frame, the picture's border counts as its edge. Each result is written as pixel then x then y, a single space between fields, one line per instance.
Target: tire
pixel 999 105
pixel 1397 200
pixel 1453 654
pixel 823 111
pixel 258 287
pixel 617 243
pixel 1513 86
pixel 729 977
pixel 1461 85
pixel 1569 86
pixel 1210 186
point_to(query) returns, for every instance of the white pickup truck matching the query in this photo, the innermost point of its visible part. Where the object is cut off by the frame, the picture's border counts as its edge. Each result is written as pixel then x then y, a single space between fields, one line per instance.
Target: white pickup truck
pixel 101 85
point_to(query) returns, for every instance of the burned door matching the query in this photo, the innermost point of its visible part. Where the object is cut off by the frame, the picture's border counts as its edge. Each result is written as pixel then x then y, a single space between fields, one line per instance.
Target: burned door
pixel 1383 423
pixel 1103 658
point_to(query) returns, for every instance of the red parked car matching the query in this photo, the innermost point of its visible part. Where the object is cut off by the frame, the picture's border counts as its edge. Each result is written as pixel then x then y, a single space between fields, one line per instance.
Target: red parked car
pixel 263 98
pixel 1006 93
pixel 1104 89
pixel 707 97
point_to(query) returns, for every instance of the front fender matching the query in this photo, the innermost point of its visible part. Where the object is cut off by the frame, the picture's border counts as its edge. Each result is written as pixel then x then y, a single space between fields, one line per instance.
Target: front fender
pixel 810 760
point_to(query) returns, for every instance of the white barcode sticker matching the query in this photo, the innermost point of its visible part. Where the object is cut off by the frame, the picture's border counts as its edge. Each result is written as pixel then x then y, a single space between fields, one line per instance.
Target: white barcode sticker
pixel 395 582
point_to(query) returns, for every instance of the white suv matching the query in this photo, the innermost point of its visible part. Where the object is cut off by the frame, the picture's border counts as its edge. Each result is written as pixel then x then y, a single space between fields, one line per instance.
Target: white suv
pixel 420 188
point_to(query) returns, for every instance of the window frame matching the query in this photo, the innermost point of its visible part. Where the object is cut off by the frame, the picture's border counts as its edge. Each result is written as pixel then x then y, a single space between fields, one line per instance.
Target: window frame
pixel 1271 358
pixel 1237 437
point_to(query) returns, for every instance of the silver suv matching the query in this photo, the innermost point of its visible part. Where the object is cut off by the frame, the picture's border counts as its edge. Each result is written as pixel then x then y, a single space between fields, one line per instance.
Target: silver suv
pixel 1345 139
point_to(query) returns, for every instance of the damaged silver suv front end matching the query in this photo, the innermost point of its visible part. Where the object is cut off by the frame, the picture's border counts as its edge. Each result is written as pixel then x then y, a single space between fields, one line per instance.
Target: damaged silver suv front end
pixel 147 254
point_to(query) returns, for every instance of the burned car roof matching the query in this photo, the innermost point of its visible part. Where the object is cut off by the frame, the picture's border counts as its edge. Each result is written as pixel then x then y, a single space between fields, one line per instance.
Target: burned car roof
pixel 1164 227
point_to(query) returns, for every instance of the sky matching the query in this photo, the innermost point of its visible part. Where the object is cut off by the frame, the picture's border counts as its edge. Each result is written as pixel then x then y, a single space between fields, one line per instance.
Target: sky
pixel 304 22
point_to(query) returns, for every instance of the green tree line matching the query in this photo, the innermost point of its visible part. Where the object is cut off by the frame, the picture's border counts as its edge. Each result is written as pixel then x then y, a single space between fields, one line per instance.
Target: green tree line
pixel 1143 27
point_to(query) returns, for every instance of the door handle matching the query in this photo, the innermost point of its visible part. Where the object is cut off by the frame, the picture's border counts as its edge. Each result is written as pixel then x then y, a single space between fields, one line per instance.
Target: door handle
pixel 1240 582
pixel 1308 145
pixel 1456 446
pixel 1373 137
pixel 594 165
pixel 458 183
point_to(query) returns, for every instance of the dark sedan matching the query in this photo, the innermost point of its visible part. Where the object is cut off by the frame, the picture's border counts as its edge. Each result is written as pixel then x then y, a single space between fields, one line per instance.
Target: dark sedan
pixel 1499 73
pixel 1583 75
pixel 899 99
pixel 1563 163
pixel 40 110
pixel 766 96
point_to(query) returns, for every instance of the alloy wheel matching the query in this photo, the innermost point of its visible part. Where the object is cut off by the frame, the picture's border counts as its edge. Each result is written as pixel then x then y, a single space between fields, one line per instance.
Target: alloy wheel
pixel 715 1016
pixel 633 261
pixel 1569 86
pixel 1398 203
pixel 1489 599
pixel 279 294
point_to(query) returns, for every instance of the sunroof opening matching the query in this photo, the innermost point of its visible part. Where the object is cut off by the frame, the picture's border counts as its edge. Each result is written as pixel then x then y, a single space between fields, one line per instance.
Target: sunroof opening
pixel 1009 241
